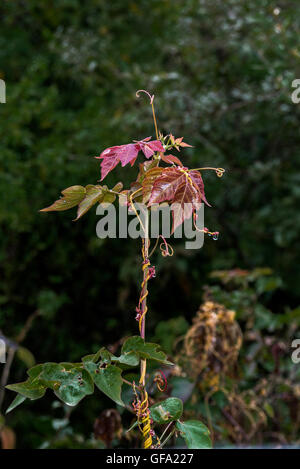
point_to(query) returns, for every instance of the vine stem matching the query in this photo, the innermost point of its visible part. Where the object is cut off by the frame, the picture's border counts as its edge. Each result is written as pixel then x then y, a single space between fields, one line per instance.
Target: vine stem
pixel 145 414
pixel 143 306
pixel 167 438
pixel 145 249
pixel 154 118
pixel 166 430
pixel 151 98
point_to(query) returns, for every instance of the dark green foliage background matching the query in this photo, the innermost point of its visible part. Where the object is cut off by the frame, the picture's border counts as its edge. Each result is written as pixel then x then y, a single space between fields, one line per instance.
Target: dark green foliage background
pixel 222 74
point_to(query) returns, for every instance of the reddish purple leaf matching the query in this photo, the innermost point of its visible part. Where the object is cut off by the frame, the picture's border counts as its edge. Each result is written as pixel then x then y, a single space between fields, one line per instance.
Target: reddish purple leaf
pixel 198 181
pixel 181 187
pixel 150 147
pixel 127 154
pixel 171 159
pixel 165 186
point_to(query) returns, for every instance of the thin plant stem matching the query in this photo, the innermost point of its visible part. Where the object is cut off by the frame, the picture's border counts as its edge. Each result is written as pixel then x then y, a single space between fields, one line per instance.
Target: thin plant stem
pixel 151 98
pixel 165 430
pixel 168 438
pixel 154 247
pixel 133 207
pixel 128 382
pixel 154 118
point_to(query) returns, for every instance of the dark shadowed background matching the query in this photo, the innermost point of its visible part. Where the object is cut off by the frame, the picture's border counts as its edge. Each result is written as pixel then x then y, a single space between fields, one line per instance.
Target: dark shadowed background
pixel 222 77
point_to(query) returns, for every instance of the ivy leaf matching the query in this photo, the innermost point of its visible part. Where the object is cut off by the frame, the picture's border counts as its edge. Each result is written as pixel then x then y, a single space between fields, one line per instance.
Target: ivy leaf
pixel 19 399
pixel 33 389
pixel 107 379
pixel 195 433
pixel 96 356
pixel 72 196
pixel 127 154
pixel 136 346
pixel 70 382
pixel 166 411
pixel 35 371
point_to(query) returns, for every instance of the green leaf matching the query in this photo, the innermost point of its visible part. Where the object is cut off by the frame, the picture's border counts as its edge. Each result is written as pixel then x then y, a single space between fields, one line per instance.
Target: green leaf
pixel 33 389
pixel 19 399
pixel 35 371
pixel 136 346
pixel 167 411
pixel 118 187
pixel 103 355
pixel 195 433
pixel 128 358
pixel 72 196
pixel 107 379
pixel 93 195
pixel 110 197
pixel 93 357
pixel 70 382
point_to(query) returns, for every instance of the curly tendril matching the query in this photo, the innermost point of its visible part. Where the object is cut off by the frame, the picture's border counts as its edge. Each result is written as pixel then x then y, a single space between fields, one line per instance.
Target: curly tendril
pixel 151 97
pixel 219 171
pixel 214 234
pixel 161 381
pixel 166 248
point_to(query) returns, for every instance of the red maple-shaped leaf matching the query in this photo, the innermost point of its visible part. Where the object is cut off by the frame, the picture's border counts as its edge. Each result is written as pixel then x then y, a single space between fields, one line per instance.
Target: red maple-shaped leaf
pixel 127 154
pixel 183 188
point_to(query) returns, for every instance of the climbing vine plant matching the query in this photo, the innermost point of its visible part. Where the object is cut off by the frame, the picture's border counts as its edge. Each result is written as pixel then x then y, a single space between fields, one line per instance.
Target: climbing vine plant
pixel 162 178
